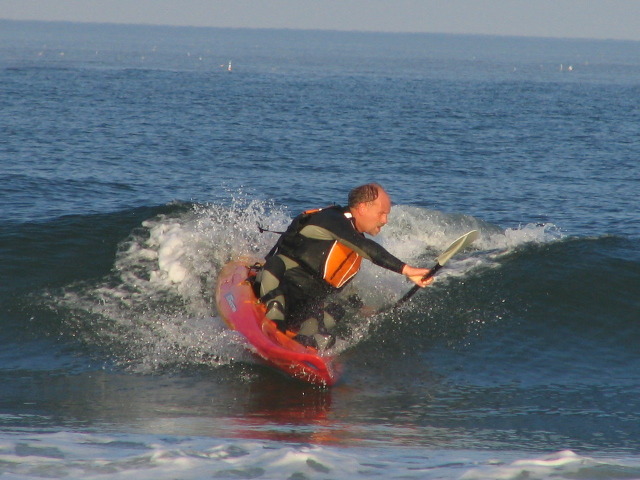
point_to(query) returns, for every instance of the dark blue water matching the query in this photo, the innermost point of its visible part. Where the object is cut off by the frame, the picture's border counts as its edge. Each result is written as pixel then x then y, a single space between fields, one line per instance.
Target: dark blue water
pixel 133 165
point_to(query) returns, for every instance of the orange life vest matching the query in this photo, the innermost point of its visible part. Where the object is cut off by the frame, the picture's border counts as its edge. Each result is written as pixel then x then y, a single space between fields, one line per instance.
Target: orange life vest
pixel 340 262
pixel 341 265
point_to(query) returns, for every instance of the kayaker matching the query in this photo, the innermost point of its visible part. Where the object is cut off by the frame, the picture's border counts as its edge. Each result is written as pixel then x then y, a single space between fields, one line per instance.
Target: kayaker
pixel 319 253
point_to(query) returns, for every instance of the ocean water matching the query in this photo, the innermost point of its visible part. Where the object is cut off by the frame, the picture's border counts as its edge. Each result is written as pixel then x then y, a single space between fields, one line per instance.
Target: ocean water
pixel 133 165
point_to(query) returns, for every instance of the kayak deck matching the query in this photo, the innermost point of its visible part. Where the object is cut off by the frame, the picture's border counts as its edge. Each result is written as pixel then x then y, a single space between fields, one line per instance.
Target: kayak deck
pixel 238 306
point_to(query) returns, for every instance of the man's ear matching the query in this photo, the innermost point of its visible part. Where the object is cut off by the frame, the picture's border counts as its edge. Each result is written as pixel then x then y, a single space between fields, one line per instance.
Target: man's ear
pixel 357 210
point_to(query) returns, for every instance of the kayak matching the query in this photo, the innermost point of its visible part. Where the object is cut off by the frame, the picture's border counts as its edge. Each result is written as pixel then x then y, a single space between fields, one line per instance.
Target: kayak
pixel 240 309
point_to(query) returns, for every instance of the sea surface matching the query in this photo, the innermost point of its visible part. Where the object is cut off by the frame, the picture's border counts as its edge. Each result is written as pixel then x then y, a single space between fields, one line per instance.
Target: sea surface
pixel 135 161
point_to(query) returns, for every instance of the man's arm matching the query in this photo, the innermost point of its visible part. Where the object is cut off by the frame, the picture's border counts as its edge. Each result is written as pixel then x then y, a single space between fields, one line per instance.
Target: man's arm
pixel 340 228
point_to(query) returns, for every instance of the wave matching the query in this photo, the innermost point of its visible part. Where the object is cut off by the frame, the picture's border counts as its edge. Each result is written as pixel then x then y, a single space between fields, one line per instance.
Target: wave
pixel 137 286
pixel 66 249
pixel 54 197
pixel 83 455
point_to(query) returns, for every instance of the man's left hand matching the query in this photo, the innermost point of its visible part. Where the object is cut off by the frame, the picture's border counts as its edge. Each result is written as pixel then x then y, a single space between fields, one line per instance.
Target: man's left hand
pixel 416 275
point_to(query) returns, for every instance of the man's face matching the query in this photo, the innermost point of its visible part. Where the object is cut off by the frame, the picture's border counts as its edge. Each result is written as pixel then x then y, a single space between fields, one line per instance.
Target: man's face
pixel 372 216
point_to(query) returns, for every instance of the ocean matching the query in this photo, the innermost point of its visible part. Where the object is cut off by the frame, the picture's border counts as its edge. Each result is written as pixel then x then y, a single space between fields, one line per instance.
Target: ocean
pixel 135 161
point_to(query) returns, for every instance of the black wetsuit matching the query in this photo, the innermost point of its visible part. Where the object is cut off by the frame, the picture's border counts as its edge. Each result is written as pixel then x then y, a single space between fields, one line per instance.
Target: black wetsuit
pixel 296 265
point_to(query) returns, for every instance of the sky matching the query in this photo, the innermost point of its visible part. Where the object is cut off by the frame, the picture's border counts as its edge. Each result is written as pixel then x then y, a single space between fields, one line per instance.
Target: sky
pixel 601 19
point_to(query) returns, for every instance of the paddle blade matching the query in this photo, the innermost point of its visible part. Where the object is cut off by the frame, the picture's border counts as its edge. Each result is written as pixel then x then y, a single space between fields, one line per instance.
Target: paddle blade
pixel 465 240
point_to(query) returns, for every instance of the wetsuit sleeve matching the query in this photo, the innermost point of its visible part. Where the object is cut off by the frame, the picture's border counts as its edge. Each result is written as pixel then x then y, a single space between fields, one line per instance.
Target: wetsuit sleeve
pixel 338 227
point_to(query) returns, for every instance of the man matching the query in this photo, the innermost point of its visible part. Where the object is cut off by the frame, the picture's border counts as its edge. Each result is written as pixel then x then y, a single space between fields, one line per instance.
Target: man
pixel 319 253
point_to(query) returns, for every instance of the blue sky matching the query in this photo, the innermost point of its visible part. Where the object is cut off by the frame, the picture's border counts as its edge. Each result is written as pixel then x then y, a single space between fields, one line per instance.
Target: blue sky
pixel 608 19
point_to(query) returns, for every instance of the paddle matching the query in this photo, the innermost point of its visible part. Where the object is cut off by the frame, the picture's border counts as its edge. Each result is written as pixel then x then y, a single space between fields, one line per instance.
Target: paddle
pixel 465 240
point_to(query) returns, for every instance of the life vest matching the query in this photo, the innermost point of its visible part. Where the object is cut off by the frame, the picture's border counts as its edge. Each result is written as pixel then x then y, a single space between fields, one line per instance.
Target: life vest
pixel 341 265
pixel 332 261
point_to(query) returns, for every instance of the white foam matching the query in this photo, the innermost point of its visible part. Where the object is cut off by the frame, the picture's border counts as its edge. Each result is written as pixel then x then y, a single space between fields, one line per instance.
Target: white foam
pixel 412 230
pixel 563 464
pixel 157 309
pixel 123 456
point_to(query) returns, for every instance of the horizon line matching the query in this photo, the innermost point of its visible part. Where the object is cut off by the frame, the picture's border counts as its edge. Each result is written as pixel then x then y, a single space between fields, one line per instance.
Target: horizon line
pixel 327 30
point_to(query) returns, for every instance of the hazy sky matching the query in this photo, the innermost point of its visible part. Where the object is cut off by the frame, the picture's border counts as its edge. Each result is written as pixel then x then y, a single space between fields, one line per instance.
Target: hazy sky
pixel 614 19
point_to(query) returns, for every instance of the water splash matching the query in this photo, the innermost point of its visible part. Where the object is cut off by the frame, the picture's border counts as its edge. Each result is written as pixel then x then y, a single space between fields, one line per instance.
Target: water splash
pixel 156 309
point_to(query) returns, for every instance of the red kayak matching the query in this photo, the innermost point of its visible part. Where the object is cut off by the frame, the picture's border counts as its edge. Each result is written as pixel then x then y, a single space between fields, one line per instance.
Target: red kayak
pixel 240 309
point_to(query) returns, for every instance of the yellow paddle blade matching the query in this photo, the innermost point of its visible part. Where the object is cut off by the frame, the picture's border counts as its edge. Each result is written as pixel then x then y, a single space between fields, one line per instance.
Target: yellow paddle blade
pixel 465 240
